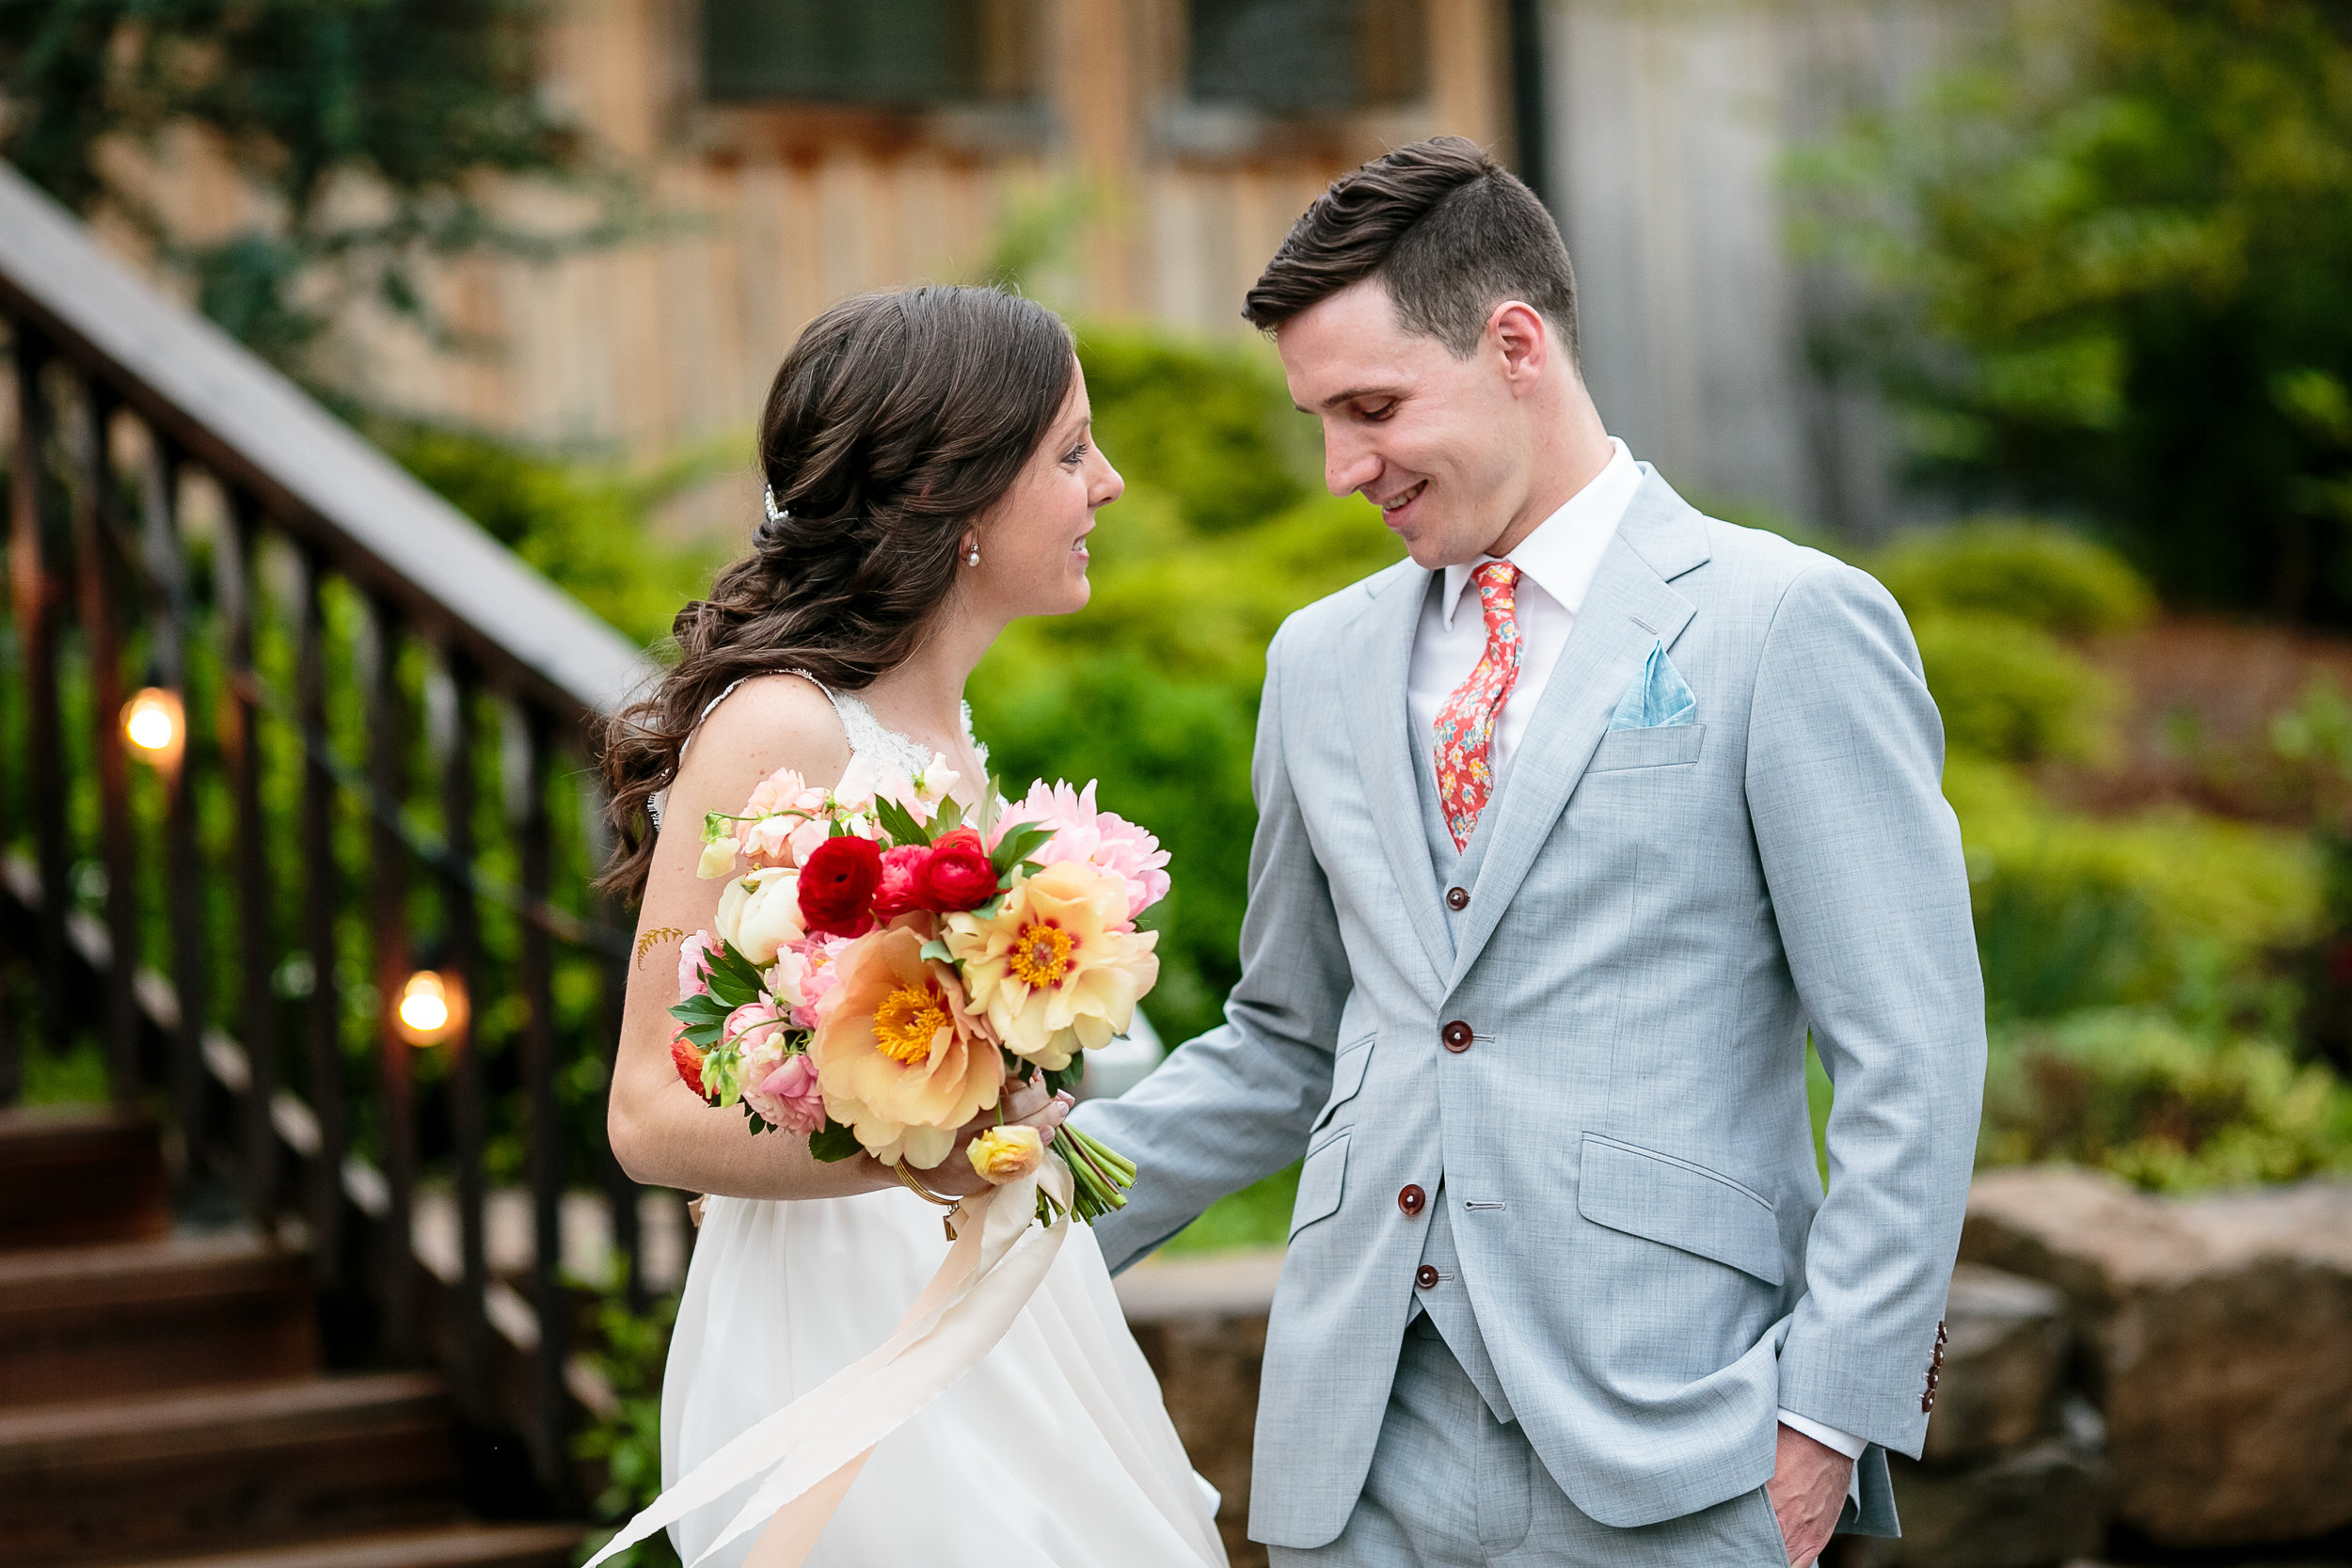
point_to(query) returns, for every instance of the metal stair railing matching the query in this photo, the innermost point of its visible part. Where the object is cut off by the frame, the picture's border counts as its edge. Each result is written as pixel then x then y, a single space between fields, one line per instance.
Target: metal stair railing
pixel 257 827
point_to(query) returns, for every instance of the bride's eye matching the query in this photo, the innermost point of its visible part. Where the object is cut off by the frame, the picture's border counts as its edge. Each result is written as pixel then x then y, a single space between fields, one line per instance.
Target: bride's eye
pixel 1075 455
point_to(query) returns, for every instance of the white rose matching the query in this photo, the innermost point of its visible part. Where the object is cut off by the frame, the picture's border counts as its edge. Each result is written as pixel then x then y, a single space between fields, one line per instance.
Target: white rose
pixel 761 913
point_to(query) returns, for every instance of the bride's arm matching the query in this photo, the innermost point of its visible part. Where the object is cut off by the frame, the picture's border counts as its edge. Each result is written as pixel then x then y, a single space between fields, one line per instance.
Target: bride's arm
pixel 663 1132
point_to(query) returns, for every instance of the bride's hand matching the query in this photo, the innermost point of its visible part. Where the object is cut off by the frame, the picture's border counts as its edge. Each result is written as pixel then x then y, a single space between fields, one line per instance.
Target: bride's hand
pixel 1027 1105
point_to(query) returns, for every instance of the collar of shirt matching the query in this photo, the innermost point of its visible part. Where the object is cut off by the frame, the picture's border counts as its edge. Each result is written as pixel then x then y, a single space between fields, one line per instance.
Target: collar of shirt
pixel 1565 552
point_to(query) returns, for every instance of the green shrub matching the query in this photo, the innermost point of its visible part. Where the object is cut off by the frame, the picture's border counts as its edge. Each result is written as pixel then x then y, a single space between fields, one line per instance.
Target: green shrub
pixel 1209 426
pixel 1154 688
pixel 588 527
pixel 2167 907
pixel 2011 692
pixel 2137 1094
pixel 2044 577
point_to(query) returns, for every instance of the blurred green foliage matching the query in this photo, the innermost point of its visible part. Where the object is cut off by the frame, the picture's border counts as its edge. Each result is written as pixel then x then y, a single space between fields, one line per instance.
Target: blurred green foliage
pixel 2051 579
pixel 366 135
pixel 2107 267
pixel 1154 688
pixel 587 525
pixel 628 1350
pixel 2011 692
pixel 2166 1107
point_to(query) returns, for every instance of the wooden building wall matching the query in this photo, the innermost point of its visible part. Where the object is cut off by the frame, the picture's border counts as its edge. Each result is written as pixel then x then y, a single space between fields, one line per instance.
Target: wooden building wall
pixel 773 212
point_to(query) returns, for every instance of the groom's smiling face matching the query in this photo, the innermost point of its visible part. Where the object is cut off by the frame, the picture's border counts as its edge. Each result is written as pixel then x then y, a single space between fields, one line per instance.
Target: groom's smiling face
pixel 1437 443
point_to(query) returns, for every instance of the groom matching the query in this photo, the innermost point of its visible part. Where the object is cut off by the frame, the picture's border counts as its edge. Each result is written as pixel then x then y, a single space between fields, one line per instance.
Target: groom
pixel 1570 828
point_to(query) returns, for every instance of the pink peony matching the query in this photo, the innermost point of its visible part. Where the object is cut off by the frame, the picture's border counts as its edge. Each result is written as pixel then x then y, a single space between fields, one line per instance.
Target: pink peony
pixel 756 1030
pixel 788 1098
pixel 689 964
pixel 1101 839
pixel 819 976
pixel 784 809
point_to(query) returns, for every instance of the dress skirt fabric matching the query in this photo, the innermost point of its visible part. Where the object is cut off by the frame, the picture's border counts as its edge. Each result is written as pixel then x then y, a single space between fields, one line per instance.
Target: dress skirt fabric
pixel 1055 1446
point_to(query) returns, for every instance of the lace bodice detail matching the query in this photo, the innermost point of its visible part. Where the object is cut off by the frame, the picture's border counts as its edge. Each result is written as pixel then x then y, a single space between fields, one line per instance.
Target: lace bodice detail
pixel 878 743
pixel 868 737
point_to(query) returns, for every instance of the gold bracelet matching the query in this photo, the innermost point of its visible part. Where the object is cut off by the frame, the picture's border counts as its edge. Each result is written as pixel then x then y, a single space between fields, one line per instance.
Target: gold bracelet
pixel 915 1184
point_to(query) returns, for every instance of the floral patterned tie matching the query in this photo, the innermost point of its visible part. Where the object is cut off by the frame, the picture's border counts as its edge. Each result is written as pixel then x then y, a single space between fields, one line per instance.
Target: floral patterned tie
pixel 1466 725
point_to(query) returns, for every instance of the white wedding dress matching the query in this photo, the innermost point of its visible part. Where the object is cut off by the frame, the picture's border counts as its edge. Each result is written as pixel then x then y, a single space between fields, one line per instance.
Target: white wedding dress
pixel 1054 1448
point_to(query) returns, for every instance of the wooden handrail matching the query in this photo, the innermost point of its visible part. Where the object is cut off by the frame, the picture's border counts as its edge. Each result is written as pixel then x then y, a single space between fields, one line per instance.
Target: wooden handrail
pixel 261 433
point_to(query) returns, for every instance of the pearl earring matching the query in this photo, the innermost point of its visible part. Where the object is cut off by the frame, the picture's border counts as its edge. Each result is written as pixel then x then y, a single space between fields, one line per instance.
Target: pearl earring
pixel 972 556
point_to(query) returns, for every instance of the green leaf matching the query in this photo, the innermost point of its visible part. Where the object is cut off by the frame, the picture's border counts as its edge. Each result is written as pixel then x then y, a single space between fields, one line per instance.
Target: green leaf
pixel 936 949
pixel 899 823
pixel 950 817
pixel 834 1142
pixel 1061 1078
pixel 1015 846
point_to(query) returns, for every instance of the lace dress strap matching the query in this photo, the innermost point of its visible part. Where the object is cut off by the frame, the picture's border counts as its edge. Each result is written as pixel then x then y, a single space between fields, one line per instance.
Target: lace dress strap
pixel 868 737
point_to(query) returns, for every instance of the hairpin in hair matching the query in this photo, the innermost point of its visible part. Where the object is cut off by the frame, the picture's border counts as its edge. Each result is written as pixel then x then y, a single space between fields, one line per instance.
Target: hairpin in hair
pixel 775 513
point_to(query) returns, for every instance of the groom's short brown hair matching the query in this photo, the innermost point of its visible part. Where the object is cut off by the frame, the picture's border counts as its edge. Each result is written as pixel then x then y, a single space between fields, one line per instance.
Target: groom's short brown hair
pixel 1451 233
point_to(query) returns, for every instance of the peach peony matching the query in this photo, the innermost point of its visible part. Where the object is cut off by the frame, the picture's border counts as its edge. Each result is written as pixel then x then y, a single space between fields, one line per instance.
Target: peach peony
pixel 1055 970
pixel 898 1056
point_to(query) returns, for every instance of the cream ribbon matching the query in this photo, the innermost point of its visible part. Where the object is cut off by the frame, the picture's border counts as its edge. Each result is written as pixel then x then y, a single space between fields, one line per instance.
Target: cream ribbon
pixel 813 1449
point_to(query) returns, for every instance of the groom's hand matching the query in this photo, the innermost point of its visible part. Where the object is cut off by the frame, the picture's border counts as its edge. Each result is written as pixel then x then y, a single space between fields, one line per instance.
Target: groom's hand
pixel 1808 1491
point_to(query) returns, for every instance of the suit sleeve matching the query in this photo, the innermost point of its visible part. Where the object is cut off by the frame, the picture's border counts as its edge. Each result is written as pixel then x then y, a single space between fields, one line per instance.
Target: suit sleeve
pixel 1862 860
pixel 1235 1104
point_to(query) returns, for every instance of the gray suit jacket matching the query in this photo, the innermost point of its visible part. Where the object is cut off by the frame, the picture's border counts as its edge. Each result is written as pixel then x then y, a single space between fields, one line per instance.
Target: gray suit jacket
pixel 1657 918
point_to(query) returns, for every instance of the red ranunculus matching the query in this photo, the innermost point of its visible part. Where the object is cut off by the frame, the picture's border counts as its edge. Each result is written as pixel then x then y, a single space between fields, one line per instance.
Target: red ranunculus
pixel 689 1062
pixel 896 894
pixel 837 883
pixel 957 875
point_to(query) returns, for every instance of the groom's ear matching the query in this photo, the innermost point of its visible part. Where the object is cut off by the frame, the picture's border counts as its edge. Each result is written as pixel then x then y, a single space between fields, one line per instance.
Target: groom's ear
pixel 1518 335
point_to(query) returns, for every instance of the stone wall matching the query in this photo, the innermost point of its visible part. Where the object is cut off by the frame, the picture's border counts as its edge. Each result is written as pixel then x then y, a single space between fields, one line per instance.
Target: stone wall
pixel 2129 1375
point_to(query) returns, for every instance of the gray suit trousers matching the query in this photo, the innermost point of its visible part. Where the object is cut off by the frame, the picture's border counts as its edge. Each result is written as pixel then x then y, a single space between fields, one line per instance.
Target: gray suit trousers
pixel 1452 1487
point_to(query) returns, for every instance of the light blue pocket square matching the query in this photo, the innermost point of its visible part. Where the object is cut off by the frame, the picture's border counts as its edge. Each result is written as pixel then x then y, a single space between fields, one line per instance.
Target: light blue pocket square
pixel 1658 697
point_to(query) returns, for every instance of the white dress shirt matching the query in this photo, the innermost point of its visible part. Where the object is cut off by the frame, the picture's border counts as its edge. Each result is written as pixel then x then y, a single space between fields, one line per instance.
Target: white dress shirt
pixel 1557 564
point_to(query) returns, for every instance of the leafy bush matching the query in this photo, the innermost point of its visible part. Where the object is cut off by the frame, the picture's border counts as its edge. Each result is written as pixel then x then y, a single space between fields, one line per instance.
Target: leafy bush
pixel 1153 690
pixel 2011 692
pixel 1209 426
pixel 587 526
pixel 2167 907
pixel 2106 265
pixel 629 1351
pixel 2137 1094
pixel 2057 581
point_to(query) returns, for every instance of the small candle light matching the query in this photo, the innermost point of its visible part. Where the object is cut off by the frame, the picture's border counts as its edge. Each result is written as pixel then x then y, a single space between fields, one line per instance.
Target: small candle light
pixel 154 727
pixel 432 1006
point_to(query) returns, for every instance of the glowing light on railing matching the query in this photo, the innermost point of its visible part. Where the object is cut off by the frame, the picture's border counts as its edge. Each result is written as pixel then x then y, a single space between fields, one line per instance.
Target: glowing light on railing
pixel 154 725
pixel 432 1005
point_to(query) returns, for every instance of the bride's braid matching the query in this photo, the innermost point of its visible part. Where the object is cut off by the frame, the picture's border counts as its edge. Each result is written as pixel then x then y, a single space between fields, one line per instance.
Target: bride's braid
pixel 894 424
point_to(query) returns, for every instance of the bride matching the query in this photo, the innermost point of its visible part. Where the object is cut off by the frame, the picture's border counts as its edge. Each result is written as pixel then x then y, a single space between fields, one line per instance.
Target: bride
pixel 930 477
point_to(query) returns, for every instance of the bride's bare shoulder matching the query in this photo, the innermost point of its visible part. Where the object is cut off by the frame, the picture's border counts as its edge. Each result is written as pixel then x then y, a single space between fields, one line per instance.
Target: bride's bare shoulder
pixel 770 721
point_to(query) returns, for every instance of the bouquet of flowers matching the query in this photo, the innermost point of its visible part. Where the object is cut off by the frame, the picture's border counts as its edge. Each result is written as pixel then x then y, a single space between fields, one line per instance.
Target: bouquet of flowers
pixel 881 964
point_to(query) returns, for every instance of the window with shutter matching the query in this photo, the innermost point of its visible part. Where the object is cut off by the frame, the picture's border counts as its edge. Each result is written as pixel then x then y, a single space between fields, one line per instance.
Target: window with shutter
pixel 1299 58
pixel 879 54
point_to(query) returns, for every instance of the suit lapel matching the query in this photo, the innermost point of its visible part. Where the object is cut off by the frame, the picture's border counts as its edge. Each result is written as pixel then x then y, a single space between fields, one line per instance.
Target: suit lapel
pixel 1628 605
pixel 1380 644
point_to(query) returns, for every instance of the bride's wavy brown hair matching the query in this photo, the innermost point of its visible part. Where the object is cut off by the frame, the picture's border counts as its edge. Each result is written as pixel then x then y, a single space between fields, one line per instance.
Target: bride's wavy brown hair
pixel 894 424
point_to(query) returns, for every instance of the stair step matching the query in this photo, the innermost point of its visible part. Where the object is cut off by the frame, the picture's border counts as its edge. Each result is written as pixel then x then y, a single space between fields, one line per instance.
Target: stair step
pixel 220 1469
pixel 71 1175
pixel 452 1547
pixel 143 1317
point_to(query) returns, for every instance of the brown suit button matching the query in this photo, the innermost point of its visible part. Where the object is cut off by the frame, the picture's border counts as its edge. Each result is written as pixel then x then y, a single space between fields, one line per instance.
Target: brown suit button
pixel 1457 899
pixel 1412 1200
pixel 1457 1036
pixel 1426 1276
